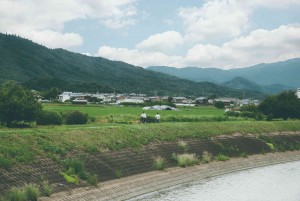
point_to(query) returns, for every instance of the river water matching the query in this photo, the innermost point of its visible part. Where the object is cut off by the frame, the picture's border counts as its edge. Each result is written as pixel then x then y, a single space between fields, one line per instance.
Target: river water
pixel 271 183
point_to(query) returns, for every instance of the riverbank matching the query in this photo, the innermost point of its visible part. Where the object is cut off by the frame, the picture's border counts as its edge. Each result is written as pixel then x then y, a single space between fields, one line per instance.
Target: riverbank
pixel 136 185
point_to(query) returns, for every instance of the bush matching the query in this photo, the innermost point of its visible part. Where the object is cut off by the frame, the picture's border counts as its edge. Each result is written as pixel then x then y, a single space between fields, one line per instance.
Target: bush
pixel 222 157
pixel 49 118
pixel 183 145
pixel 47 189
pixel 219 104
pixel 76 117
pixel 16 194
pixel 93 180
pixel 206 157
pixel 159 163
pixel 185 160
pixel 32 192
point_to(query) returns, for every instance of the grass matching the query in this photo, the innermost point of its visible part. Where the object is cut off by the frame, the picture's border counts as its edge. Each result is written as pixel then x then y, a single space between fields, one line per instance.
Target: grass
pixel 184 160
pixel 183 145
pixel 159 163
pixel 24 145
pixel 29 192
pixel 221 157
pixel 46 188
pixel 130 115
pixel 206 157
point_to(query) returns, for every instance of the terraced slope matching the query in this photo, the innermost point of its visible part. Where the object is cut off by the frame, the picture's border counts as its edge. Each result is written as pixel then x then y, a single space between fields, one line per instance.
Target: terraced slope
pixel 114 164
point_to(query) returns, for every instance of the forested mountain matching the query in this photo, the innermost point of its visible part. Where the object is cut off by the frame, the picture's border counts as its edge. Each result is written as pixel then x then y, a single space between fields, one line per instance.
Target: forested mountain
pixel 41 68
pixel 285 74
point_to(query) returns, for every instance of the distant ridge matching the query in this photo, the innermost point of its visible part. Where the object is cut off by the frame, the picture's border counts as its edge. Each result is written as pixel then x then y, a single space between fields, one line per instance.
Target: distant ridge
pixel 285 74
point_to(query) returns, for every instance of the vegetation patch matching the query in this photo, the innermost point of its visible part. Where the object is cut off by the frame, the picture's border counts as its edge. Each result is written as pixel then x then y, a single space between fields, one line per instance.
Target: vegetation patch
pixel 159 163
pixel 206 157
pixel 221 157
pixel 184 160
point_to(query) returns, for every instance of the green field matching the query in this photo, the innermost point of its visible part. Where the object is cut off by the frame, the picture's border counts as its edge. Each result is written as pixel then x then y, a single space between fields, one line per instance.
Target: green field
pixel 127 114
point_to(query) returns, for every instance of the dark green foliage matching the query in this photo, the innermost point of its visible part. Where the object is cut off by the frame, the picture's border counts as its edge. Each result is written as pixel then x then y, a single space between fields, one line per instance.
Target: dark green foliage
pixel 232 113
pixel 17 104
pixel 219 104
pixel 52 93
pixel 76 117
pixel 284 105
pixel 49 118
pixel 249 108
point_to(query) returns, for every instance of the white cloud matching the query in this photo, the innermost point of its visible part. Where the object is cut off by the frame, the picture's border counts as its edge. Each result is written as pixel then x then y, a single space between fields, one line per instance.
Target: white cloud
pixel 161 42
pixel 260 46
pixel 138 58
pixel 43 21
pixel 223 19
pixel 215 19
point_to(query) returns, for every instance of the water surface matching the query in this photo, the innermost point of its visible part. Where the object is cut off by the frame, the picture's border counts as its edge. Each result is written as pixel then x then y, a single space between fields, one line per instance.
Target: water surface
pixel 271 183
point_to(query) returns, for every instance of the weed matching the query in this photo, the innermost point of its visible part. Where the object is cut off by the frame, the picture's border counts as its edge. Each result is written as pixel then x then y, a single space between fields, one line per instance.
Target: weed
pixel 244 155
pixel 5 163
pixel 118 173
pixel 206 157
pixel 270 145
pixel 183 145
pixel 184 160
pixel 92 180
pixel 16 194
pixel 47 189
pixel 73 179
pixel 221 157
pixel 32 192
pixel 159 163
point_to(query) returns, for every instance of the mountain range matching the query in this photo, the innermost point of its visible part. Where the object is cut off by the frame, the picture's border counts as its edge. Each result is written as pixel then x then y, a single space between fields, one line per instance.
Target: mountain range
pixel 267 78
pixel 42 68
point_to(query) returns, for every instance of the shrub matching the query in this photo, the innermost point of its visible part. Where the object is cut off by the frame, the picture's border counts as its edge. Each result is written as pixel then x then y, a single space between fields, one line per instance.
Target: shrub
pixel 76 117
pixel 183 145
pixel 221 157
pixel 206 157
pixel 219 104
pixel 92 180
pixel 118 173
pixel 49 118
pixel 159 163
pixel 185 160
pixel 47 189
pixel 232 113
pixel 32 192
pixel 16 194
pixel 73 179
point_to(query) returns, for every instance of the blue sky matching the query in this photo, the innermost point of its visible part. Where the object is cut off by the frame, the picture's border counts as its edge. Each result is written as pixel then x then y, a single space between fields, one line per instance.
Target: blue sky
pixel 202 33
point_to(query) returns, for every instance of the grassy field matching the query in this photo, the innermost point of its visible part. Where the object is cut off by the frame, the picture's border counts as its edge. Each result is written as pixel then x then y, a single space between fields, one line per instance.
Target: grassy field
pixel 24 145
pixel 127 114
pixel 56 142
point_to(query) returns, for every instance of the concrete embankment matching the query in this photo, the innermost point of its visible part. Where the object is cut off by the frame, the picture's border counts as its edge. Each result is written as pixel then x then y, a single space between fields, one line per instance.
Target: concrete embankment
pixel 136 185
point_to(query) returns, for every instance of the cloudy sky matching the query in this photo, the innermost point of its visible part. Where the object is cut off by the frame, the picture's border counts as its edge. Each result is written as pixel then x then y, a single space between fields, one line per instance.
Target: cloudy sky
pixel 179 33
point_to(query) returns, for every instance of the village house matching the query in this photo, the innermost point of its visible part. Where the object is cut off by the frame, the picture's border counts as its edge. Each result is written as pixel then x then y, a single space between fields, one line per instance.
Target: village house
pixel 298 93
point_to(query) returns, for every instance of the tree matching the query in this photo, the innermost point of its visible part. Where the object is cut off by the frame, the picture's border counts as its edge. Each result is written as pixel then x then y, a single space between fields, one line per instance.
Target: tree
pixel 219 104
pixel 284 105
pixel 17 104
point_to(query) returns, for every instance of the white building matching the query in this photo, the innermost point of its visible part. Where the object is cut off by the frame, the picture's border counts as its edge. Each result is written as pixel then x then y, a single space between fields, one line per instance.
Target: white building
pixel 298 93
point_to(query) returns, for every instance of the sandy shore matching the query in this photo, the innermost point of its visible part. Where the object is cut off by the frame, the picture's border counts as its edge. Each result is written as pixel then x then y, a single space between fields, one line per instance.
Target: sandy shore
pixel 136 185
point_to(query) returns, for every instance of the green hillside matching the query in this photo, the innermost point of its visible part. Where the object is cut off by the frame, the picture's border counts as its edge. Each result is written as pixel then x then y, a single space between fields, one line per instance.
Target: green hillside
pixel 41 68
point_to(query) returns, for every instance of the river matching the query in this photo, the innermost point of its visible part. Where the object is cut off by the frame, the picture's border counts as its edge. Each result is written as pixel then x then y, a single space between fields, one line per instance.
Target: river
pixel 271 183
